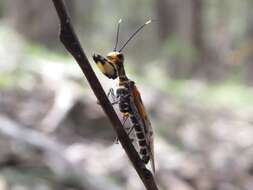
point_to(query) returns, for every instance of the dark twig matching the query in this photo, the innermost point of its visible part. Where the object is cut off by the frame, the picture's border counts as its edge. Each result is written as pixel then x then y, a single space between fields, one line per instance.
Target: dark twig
pixel 71 43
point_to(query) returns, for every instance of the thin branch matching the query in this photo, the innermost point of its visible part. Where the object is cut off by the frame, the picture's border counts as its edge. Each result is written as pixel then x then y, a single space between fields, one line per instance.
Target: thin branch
pixel 72 44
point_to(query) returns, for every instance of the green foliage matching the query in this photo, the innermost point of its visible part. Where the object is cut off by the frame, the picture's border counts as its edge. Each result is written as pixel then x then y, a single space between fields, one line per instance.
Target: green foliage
pixel 174 46
pixel 37 50
pixel 6 80
pixel 229 93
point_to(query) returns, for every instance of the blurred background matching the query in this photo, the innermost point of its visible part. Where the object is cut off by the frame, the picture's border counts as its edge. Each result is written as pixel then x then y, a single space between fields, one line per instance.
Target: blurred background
pixel 193 66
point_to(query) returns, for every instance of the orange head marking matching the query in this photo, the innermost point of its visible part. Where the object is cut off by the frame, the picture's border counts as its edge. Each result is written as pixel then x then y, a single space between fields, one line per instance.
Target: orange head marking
pixel 116 58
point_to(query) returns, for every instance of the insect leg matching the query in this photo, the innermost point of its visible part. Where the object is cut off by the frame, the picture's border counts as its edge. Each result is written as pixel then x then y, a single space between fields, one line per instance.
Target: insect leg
pixel 115 98
pixel 131 129
pixel 125 117
pixel 110 93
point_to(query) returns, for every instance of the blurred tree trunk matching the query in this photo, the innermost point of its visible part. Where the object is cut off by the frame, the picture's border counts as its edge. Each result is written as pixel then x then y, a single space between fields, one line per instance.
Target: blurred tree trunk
pixel 181 25
pixel 214 64
pixel 182 33
pixel 248 69
pixel 165 12
pixel 198 40
pixel 2 6
pixel 36 19
pixel 197 24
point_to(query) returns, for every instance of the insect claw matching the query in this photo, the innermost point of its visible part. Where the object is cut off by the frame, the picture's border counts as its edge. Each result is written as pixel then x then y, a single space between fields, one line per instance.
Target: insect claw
pixel 116 140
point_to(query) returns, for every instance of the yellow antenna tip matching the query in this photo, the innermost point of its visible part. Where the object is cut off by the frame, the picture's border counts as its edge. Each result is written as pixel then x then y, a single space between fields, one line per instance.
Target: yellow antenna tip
pixel 120 20
pixel 149 21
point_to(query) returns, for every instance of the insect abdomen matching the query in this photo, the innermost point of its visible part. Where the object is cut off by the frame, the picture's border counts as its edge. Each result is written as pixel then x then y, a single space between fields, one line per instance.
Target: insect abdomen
pixel 125 108
pixel 140 136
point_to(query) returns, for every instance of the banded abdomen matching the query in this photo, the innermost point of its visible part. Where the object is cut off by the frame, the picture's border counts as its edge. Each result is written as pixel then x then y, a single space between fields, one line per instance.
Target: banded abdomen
pixel 129 109
pixel 140 136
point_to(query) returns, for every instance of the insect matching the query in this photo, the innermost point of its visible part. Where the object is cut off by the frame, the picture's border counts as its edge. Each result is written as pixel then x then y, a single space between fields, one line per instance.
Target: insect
pixel 129 98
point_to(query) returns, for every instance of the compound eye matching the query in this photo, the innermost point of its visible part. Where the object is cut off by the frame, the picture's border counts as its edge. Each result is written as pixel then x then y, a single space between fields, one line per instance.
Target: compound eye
pixel 120 56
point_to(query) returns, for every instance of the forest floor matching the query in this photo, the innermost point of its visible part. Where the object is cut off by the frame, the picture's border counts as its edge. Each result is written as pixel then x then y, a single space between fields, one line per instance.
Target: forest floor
pixel 55 136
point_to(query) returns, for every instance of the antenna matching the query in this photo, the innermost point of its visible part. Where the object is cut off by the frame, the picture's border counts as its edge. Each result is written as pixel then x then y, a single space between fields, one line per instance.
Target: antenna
pixel 117 36
pixel 141 27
